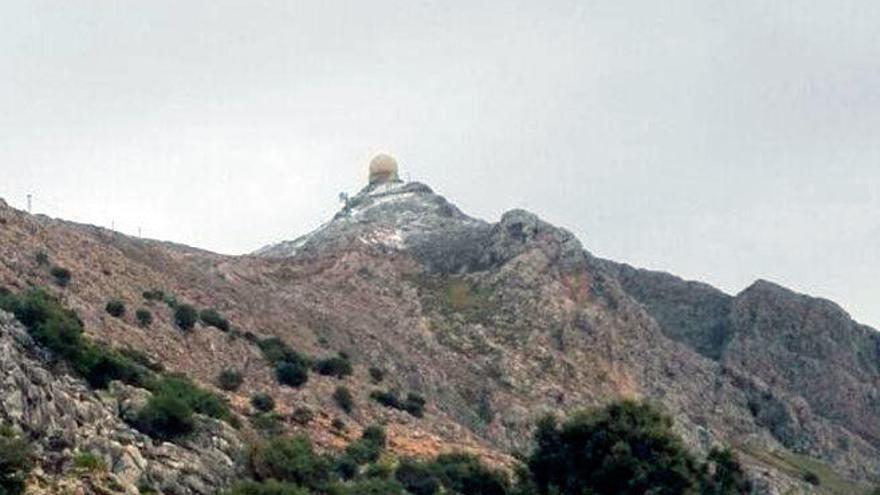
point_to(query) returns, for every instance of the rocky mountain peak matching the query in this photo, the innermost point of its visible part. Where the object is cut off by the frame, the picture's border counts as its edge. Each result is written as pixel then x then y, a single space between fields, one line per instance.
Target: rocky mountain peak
pixel 389 214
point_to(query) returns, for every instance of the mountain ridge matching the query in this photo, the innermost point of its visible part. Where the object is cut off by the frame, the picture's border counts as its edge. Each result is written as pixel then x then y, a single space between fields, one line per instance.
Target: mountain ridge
pixel 493 322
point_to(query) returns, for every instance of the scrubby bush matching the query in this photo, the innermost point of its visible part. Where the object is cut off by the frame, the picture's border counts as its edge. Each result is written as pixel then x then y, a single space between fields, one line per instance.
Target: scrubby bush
pixel 268 424
pixel 42 258
pixel 276 351
pixel 143 317
pixel 212 318
pixel 61 275
pixel 292 374
pixel 369 447
pixel 625 448
pixel 413 404
pixel 371 486
pixel 270 487
pixel 230 380
pixel 15 462
pixel 142 359
pixel 338 424
pixel 464 473
pixel 88 461
pixel 302 415
pixel 377 374
pixel 291 460
pixel 115 308
pixel 344 399
pixel 416 477
pixel 263 402
pixel 154 295
pixel 185 316
pixel 337 366
pixel 812 478
pixel 165 417
pixel 724 475
pixel 61 331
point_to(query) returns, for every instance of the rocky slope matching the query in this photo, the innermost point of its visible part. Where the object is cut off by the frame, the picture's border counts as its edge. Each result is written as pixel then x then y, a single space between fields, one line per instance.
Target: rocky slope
pixel 494 324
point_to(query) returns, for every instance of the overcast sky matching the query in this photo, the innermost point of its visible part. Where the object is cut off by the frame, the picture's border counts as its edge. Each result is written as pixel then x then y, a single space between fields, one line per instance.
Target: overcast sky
pixel 722 141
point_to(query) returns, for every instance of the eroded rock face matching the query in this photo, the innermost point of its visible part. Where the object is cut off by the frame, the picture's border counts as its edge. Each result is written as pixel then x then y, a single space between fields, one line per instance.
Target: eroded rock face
pixel 63 417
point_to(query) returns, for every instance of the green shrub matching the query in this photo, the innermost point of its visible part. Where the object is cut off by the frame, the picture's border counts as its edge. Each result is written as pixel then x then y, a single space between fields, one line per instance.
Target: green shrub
pixel 812 478
pixel 15 462
pixel 115 308
pixel 143 317
pixel 377 374
pixel 142 359
pixel 344 399
pixel 42 258
pixel 165 417
pixel 337 366
pixel 230 380
pixel 61 275
pixel 88 461
pixel 371 486
pixel 169 412
pixel 302 415
pixel 154 295
pixel 414 403
pixel 727 475
pixel 268 424
pixel 346 467
pixel 417 477
pixel 338 424
pixel 60 330
pixel 212 318
pixel 464 473
pixel 270 487
pixel 626 448
pixel 276 351
pixel 263 402
pixel 185 316
pixel 369 447
pixel 292 374
pixel 290 460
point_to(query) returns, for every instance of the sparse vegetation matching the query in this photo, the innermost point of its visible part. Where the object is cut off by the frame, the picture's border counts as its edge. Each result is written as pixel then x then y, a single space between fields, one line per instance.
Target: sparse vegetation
pixel 263 402
pixel 212 318
pixel 15 461
pixel 61 275
pixel 143 317
pixel 60 330
pixel 344 399
pixel 185 316
pixel 230 380
pixel 291 460
pixel 115 308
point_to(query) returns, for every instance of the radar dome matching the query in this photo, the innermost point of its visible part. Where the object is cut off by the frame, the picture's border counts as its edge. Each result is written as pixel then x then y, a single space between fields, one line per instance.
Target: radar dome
pixel 383 168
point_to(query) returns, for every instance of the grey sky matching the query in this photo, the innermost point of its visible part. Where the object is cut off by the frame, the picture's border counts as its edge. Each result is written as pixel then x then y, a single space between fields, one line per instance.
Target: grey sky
pixel 722 141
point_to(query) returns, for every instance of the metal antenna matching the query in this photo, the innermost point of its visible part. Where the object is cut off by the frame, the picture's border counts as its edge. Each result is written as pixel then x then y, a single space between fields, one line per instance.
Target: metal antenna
pixel 29 196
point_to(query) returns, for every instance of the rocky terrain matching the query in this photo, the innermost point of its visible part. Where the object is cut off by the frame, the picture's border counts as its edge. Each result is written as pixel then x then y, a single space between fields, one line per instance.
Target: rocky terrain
pixel 494 324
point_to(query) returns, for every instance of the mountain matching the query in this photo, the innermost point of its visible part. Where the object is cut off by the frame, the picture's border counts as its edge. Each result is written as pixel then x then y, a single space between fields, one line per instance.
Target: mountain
pixel 494 324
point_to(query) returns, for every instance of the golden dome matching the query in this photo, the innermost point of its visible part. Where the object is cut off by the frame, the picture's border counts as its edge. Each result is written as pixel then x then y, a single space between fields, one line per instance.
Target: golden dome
pixel 383 168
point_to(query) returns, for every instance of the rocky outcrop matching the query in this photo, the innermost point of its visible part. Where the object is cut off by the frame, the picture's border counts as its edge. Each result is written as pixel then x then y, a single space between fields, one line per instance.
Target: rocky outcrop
pixel 64 418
